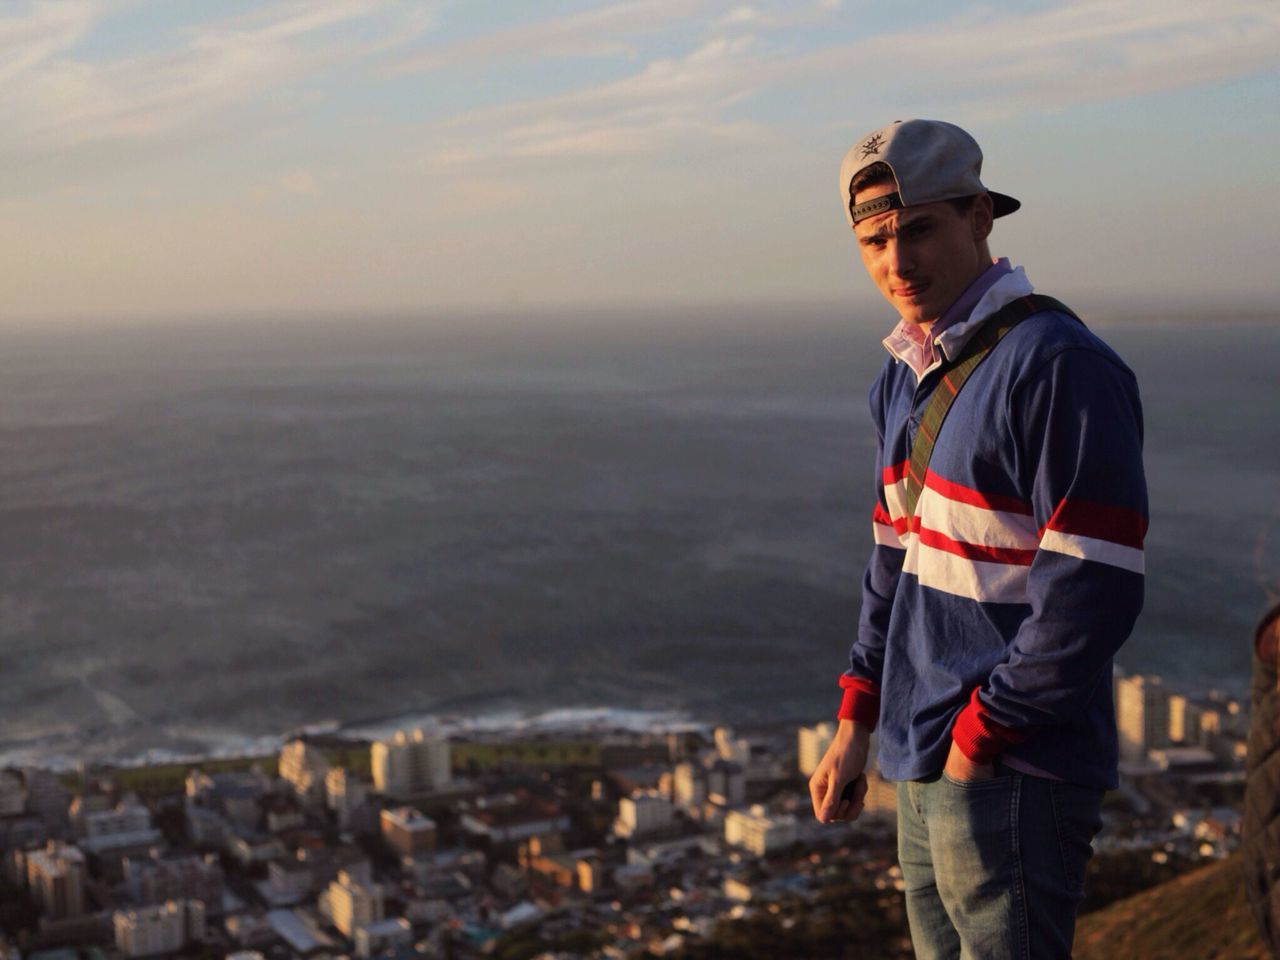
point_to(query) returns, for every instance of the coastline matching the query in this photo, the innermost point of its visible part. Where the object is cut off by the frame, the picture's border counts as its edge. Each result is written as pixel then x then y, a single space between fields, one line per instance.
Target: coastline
pixel 561 721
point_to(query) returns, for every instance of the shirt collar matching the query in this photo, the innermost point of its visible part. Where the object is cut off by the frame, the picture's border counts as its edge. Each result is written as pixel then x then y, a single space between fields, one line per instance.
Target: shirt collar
pixel 914 345
pixel 965 303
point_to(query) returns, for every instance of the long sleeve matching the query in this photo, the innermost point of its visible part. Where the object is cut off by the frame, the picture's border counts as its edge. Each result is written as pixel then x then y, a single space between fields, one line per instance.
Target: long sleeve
pixel 1077 423
pixel 861 682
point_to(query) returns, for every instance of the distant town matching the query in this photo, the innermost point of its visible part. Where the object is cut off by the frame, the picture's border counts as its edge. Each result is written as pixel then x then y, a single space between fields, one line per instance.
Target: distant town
pixel 603 844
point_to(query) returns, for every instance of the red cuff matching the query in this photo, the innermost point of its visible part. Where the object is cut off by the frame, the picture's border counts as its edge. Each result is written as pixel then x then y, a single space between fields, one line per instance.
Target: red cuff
pixel 861 702
pixel 979 737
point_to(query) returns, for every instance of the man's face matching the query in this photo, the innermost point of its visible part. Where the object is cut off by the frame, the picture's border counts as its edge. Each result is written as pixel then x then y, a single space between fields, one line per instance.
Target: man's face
pixel 922 258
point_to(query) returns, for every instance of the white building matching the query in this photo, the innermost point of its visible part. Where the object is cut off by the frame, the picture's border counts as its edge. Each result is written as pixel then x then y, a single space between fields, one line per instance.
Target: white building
pixel 689 785
pixel 304 768
pixel 253 849
pixel 644 813
pixel 165 928
pixel 386 935
pixel 498 822
pixel 734 749
pixel 288 882
pixel 758 832
pixel 410 763
pixel 1184 721
pixel 127 817
pixel 1142 715
pixel 56 877
pixel 344 792
pixel 350 904
pixel 123 827
pixel 812 743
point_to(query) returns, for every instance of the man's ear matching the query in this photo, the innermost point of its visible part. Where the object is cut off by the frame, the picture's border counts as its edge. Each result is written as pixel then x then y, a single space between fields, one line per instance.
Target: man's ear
pixel 981 217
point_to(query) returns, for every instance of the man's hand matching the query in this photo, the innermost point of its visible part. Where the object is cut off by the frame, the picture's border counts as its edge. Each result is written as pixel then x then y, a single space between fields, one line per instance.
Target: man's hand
pixel 838 786
pixel 960 767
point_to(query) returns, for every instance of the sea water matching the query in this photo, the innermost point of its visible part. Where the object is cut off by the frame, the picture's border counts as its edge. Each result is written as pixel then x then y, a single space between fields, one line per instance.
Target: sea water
pixel 216 531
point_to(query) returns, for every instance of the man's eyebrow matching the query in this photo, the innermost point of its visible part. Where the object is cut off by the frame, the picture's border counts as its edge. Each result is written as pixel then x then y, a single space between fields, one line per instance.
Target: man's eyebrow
pixel 923 220
pixel 887 229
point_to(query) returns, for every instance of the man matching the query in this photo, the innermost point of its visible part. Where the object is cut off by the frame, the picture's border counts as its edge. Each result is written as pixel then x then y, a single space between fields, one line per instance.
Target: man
pixel 1007 567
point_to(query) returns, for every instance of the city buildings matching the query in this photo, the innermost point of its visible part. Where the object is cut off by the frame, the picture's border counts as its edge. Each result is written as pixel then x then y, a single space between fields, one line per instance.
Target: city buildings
pixel 345 793
pixel 304 768
pixel 161 929
pixel 647 842
pixel 159 878
pixel 758 832
pixel 1142 716
pixel 351 903
pixel 644 814
pixel 509 817
pixel 410 763
pixel 383 936
pixel 407 832
pixel 56 877
pixel 812 743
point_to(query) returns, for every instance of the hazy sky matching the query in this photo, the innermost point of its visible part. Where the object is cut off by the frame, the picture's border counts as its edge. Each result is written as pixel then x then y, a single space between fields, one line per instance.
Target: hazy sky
pixel 179 157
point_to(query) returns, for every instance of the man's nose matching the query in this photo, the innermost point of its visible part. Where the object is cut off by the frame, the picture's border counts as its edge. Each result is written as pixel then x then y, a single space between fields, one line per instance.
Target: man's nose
pixel 900 259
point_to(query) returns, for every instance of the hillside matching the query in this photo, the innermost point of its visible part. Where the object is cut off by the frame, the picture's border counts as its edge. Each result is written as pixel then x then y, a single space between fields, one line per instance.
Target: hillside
pixel 1202 915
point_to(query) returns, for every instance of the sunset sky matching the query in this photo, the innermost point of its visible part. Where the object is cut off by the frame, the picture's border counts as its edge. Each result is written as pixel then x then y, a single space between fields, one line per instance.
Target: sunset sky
pixel 163 158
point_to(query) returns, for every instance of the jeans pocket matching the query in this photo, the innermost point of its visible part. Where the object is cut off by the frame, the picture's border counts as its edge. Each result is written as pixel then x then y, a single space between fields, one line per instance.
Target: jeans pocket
pixel 972 833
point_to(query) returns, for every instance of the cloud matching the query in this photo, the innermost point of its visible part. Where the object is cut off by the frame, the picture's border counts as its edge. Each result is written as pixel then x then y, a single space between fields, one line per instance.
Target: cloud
pixel 47 31
pixel 52 102
pixel 602 31
pixel 301 182
pixel 472 196
pixel 740 15
pixel 668 102
pixel 988 64
pixel 1077 52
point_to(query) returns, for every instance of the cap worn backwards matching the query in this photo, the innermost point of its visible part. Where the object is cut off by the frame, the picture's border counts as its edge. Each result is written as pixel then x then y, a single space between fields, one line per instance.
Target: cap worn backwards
pixel 931 161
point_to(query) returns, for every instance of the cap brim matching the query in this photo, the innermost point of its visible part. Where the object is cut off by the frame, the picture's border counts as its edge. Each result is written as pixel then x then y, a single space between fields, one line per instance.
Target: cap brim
pixel 1002 204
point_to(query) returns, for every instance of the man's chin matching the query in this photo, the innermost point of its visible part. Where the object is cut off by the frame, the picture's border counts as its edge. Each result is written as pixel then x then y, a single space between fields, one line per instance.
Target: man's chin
pixel 918 315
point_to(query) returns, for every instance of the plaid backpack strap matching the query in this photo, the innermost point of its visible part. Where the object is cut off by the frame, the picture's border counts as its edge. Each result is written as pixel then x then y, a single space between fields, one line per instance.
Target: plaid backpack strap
pixel 954 377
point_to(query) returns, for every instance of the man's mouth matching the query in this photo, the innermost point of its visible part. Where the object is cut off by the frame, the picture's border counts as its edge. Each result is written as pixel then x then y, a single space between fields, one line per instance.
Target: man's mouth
pixel 911 291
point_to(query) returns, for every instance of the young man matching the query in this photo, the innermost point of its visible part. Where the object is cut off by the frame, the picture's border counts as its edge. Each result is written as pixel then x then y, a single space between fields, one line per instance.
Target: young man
pixel 1007 567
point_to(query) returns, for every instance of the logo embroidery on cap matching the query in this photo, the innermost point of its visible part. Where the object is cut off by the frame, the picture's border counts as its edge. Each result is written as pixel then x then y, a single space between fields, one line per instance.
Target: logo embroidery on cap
pixel 872 145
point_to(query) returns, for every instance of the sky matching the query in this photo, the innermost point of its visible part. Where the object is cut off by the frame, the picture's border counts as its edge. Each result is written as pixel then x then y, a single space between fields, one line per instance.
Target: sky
pixel 183 158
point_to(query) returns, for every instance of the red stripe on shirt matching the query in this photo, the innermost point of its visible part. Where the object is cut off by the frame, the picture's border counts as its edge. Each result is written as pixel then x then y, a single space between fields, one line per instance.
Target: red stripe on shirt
pixel 1099 521
pixel 973 551
pixel 895 473
pixel 975 498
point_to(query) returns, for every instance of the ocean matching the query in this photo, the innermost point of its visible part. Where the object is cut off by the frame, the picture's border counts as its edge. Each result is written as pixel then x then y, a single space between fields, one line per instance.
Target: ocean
pixel 217 531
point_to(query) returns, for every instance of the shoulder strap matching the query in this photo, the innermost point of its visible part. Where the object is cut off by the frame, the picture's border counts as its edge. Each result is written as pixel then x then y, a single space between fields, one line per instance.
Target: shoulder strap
pixel 954 377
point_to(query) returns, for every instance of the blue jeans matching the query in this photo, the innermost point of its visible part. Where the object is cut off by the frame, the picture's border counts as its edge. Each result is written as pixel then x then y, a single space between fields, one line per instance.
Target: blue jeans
pixel 994 869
